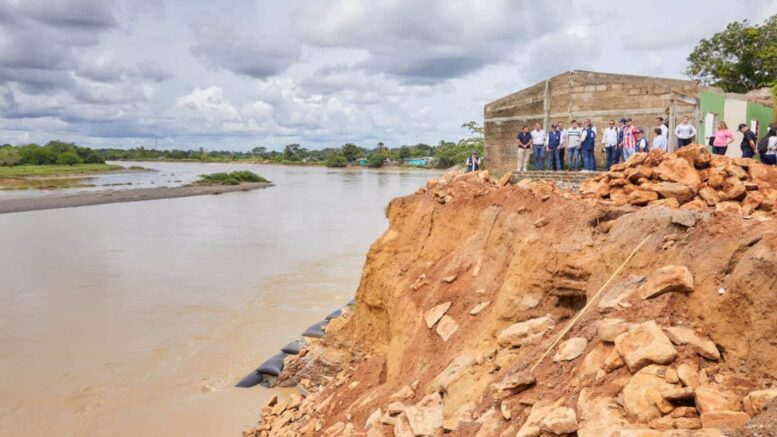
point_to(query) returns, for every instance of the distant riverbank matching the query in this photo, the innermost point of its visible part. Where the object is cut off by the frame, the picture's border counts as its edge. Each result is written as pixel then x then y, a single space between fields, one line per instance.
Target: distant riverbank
pixel 116 196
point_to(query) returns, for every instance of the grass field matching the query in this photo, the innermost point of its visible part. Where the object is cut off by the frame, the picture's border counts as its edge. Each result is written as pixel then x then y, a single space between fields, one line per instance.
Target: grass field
pixel 22 171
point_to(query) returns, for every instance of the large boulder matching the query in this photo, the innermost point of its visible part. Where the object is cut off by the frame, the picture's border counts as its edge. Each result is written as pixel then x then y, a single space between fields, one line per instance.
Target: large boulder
pixel 678 170
pixel 671 190
pixel 609 329
pixel 531 428
pixel 726 421
pixel 645 344
pixel 710 400
pixel 641 394
pixel 667 279
pixel 680 335
pixel 696 154
pixel 426 417
pixel 525 332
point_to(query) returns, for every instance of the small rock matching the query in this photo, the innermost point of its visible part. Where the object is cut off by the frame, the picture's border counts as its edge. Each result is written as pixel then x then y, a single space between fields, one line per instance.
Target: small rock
pixel 667 279
pixel 681 335
pixel 479 307
pixel 505 411
pixel 434 314
pixel 684 412
pixel 685 218
pixel 541 222
pixel 447 327
pixel 610 329
pixel 516 382
pixel 571 349
pixel 449 279
pixel 521 333
pixel 505 179
pixel 709 400
pixel 374 418
pixel 614 362
pixel 403 393
pixel 688 375
pixel 645 344
pixel 641 397
pixel 642 197
pixel 402 427
pixel 562 420
pixel 726 421
pixel 678 394
pixel 756 401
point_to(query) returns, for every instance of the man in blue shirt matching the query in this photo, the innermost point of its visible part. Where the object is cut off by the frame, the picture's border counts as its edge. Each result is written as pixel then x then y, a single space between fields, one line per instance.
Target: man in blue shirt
pixel 587 146
pixel 554 141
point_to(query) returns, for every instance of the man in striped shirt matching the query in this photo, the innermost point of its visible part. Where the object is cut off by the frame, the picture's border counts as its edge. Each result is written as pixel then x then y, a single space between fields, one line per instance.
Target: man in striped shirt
pixel 574 134
pixel 629 139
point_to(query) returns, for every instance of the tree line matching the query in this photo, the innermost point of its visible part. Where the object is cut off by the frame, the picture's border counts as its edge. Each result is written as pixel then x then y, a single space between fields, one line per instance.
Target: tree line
pixel 53 152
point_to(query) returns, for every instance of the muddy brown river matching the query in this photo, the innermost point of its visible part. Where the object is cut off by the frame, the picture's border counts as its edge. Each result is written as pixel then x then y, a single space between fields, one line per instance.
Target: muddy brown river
pixel 136 319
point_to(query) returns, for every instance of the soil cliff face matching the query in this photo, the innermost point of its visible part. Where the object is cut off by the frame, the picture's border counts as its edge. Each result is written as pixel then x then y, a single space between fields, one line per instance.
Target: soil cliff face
pixel 475 279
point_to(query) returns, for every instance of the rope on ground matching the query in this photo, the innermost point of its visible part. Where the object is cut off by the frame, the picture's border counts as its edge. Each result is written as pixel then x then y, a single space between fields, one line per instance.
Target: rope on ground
pixel 593 299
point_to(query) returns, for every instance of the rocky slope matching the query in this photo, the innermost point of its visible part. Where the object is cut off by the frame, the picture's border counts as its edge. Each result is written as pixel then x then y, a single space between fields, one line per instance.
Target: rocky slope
pixel 664 314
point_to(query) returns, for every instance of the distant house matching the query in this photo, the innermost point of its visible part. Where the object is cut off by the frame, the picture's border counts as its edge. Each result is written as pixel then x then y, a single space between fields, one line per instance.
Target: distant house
pixel 602 97
pixel 361 162
pixel 419 162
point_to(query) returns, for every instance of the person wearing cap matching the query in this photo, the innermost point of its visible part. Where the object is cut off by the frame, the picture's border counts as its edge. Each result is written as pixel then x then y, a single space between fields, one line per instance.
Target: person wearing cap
pixel 748 141
pixel 473 161
pixel 554 141
pixel 538 138
pixel 610 143
pixel 684 132
pixel 524 148
pixel 629 139
pixel 641 143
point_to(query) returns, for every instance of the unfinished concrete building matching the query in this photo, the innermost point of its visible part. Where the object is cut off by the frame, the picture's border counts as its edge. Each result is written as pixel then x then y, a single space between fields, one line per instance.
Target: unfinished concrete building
pixel 601 97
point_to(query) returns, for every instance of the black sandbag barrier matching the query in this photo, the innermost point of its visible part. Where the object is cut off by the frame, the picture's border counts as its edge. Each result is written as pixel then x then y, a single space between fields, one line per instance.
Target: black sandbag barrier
pixel 316 330
pixel 250 380
pixel 351 302
pixel 334 314
pixel 273 366
pixel 293 348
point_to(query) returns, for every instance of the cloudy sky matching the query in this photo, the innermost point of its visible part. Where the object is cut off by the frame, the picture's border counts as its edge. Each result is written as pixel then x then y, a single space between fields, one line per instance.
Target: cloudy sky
pixel 241 73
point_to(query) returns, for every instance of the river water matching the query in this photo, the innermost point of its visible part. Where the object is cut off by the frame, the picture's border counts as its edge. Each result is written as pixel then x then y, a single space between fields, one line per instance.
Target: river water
pixel 136 319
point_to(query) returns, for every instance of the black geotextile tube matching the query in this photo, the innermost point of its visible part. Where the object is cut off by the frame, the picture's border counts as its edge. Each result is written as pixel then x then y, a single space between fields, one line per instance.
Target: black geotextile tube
pixel 273 366
pixel 334 314
pixel 250 380
pixel 316 330
pixel 293 348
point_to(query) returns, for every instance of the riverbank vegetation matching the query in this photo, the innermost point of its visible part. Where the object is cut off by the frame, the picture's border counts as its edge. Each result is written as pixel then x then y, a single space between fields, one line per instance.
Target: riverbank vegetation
pixel 25 171
pixel 232 178
pixel 52 153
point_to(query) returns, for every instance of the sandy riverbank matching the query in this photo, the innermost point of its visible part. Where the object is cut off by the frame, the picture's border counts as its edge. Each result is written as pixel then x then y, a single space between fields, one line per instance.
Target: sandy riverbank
pixel 116 196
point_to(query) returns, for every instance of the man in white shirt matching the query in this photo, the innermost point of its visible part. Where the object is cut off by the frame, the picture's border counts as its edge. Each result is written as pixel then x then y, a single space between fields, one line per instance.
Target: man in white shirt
pixel 538 140
pixel 660 125
pixel 610 143
pixel 684 133
pixel 574 134
pixel 563 147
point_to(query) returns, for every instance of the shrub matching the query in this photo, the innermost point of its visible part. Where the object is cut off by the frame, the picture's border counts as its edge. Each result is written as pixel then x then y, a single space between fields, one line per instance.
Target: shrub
pixel 336 161
pixel 9 156
pixel 376 160
pixel 34 154
pixel 69 158
pixel 234 178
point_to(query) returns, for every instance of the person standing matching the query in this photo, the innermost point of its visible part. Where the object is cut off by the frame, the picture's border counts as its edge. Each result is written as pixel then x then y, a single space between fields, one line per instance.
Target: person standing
pixel 587 147
pixel 574 134
pixel 684 132
pixel 554 141
pixel 524 148
pixel 660 124
pixel 473 162
pixel 621 128
pixel 640 143
pixel 563 146
pixel 723 137
pixel 538 140
pixel 610 143
pixel 769 157
pixel 659 140
pixel 629 139
pixel 748 141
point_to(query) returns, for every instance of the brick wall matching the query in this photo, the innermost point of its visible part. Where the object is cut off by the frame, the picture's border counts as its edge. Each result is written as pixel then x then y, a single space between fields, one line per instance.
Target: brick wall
pixel 579 95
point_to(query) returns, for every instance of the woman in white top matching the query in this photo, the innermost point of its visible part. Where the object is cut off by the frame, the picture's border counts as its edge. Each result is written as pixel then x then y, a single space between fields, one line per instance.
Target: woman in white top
pixel 770 157
pixel 684 133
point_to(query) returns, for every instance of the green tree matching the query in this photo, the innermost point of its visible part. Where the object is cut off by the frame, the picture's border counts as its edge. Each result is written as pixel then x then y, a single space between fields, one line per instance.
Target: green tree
pixel 9 156
pixel 336 160
pixel 69 158
pixel 377 158
pixel 739 59
pixel 259 151
pixel 33 154
pixel 351 152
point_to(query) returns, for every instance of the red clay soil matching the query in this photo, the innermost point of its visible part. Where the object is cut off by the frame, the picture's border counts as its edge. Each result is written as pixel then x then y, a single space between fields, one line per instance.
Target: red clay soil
pixel 531 250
